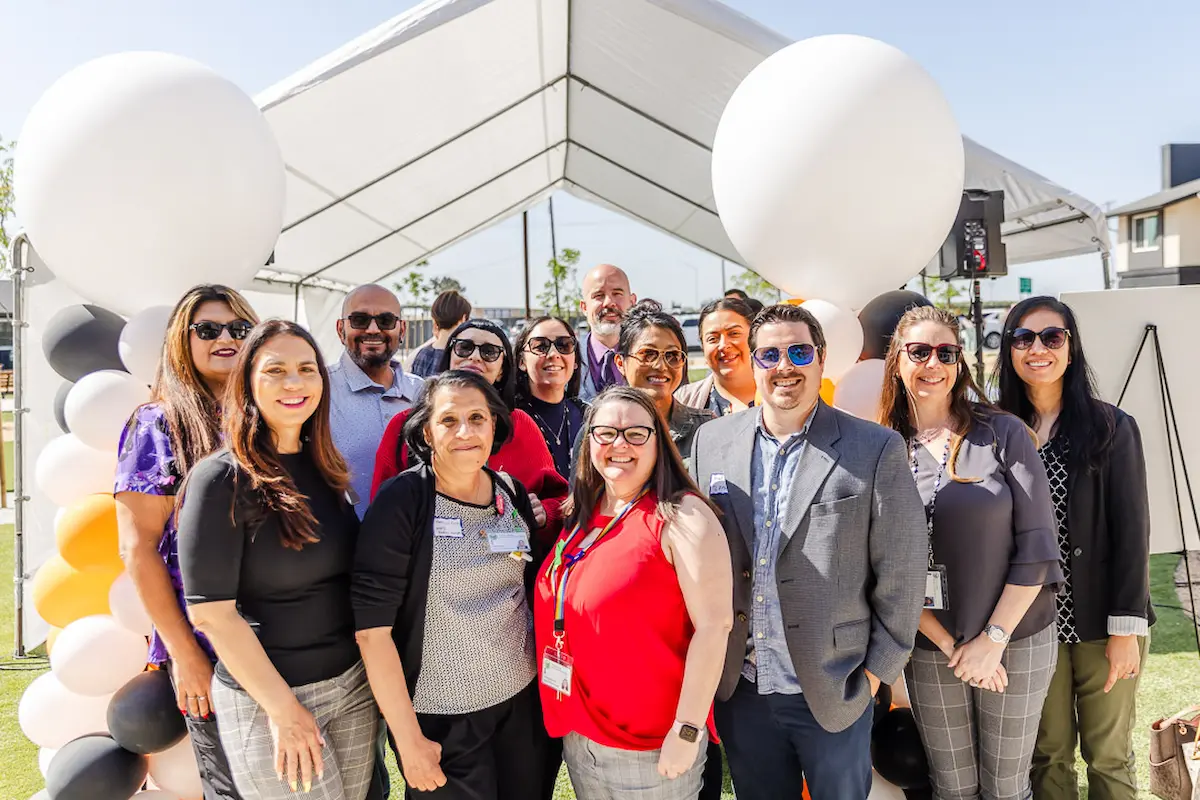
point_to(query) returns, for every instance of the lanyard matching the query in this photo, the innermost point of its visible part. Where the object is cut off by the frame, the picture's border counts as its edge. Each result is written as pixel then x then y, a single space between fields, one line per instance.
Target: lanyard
pixel 561 566
pixel 937 485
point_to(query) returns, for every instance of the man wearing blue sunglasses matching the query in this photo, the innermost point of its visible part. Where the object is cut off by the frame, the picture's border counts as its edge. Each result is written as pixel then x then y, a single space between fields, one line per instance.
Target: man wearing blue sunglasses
pixel 827 536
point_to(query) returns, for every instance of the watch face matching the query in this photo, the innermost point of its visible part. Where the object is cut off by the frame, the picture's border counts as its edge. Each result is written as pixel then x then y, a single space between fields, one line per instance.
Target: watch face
pixel 996 634
pixel 689 733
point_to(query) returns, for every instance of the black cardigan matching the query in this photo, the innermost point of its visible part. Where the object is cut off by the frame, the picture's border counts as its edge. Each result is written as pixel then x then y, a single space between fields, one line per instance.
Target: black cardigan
pixel 1108 522
pixel 394 559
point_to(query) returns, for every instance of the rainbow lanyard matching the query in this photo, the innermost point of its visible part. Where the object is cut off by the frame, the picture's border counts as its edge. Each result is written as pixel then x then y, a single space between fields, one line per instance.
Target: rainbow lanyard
pixel 561 566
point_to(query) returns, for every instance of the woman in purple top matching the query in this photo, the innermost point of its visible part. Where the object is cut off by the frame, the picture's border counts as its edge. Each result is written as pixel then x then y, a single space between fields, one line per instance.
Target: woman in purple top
pixel 159 445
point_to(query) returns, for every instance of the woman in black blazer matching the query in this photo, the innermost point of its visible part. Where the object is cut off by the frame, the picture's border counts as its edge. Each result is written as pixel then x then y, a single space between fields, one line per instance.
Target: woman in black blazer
pixel 1092 452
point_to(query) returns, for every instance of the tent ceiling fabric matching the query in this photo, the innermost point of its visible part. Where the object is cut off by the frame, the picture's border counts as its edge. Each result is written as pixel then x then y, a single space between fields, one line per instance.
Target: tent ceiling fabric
pixel 460 113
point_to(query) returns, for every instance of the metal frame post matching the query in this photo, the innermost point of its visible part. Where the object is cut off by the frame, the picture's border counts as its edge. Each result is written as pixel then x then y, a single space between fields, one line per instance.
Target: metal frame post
pixel 19 411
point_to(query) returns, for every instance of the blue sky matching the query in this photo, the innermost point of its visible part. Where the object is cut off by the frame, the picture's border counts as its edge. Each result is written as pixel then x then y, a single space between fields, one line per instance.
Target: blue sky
pixel 1083 93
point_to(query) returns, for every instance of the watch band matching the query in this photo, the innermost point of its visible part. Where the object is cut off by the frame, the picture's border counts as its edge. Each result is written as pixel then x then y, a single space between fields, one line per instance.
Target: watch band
pixel 997 634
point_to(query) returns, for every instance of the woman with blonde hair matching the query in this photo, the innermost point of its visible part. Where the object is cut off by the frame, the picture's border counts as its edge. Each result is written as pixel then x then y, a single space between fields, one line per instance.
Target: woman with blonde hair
pixel 987 645
pixel 161 443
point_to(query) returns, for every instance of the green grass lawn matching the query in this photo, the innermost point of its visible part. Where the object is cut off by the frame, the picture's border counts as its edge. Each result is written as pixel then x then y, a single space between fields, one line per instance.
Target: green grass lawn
pixel 1169 684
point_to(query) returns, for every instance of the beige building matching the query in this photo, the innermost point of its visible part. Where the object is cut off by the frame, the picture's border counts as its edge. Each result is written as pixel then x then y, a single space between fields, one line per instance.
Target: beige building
pixel 1158 237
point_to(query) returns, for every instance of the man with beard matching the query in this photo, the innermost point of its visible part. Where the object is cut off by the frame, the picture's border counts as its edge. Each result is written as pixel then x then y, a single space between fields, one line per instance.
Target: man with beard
pixel 366 387
pixel 606 299
pixel 828 541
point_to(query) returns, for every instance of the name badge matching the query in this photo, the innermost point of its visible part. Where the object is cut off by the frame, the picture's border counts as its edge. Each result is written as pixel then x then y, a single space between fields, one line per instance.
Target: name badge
pixel 716 484
pixel 556 671
pixel 936 589
pixel 507 541
pixel 447 526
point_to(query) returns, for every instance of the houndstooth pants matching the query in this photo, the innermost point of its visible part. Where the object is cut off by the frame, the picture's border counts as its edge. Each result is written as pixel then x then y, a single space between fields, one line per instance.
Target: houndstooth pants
pixel 346 713
pixel 599 772
pixel 980 743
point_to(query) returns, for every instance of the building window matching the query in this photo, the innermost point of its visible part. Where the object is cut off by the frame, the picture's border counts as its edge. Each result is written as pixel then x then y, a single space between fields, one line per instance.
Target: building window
pixel 1147 232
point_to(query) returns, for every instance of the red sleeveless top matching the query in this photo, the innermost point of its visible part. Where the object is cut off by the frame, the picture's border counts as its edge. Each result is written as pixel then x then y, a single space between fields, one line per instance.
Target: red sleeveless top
pixel 627 629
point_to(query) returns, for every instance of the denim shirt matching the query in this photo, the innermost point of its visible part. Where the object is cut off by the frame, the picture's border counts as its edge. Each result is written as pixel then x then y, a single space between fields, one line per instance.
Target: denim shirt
pixel 772 476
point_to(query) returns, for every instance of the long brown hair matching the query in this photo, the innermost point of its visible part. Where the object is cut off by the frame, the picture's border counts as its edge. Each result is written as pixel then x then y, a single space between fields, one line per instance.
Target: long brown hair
pixel 670 480
pixel 968 405
pixel 249 439
pixel 191 410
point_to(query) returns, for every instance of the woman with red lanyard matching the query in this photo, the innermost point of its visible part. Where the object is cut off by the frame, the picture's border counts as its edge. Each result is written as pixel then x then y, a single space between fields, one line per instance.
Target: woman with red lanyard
pixel 632 612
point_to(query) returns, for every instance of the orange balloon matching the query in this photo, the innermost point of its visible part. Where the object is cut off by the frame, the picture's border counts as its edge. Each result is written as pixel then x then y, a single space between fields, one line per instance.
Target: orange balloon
pixel 87 534
pixel 827 391
pixel 63 594
pixel 795 301
pixel 51 638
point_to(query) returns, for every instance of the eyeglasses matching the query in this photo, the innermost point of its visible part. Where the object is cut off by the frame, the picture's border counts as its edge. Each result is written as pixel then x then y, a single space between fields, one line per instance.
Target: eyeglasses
pixel 463 348
pixel 635 435
pixel 674 359
pixel 207 331
pixel 540 345
pixel 919 352
pixel 1053 338
pixel 801 354
pixel 361 320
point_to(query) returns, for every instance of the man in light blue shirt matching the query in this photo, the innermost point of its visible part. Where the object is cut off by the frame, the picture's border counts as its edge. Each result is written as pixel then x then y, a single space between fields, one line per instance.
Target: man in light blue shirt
pixel 366 387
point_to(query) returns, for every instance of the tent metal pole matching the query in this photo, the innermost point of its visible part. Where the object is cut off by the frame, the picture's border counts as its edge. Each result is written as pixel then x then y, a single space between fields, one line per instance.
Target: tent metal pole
pixel 554 255
pixel 525 238
pixel 723 290
pixel 1105 264
pixel 19 411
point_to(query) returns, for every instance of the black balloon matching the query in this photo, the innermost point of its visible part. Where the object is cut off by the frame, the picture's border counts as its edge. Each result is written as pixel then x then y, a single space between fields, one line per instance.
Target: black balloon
pixel 897 752
pixel 143 716
pixel 880 317
pixel 95 768
pixel 60 405
pixel 81 339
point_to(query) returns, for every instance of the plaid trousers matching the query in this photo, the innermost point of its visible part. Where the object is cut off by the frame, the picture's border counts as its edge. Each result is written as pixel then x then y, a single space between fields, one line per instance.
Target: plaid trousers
pixel 980 743
pixel 599 772
pixel 346 713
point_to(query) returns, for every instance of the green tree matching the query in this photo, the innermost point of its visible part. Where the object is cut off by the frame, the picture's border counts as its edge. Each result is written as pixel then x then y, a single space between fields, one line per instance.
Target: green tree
pixel 949 295
pixel 756 286
pixel 444 283
pixel 6 200
pixel 560 294
pixel 422 288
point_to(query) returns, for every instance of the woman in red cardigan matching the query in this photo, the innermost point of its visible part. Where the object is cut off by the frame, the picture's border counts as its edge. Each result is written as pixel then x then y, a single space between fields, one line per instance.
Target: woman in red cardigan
pixel 479 346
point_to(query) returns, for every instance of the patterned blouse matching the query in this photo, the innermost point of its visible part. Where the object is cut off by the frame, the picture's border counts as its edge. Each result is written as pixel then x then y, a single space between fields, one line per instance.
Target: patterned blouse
pixel 146 465
pixel 1054 457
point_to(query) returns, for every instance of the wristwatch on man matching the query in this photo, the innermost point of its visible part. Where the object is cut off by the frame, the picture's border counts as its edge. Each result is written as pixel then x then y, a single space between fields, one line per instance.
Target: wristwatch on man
pixel 689 733
pixel 997 634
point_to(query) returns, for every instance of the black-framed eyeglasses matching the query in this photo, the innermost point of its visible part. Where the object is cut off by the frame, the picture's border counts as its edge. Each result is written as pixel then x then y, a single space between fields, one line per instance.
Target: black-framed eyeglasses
pixel 540 345
pixel 674 359
pixel 208 330
pixel 800 354
pixel 463 348
pixel 1053 337
pixel 919 352
pixel 361 320
pixel 635 435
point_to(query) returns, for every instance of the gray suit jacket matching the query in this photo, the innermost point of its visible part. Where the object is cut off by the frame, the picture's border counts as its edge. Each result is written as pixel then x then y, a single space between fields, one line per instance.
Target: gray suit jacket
pixel 851 574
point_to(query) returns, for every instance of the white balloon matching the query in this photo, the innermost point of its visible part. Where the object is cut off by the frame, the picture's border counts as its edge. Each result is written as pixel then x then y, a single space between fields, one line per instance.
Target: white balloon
pixel 58 515
pixel 45 756
pixel 67 469
pixel 159 794
pixel 96 655
pixel 843 336
pixel 882 790
pixel 174 770
pixel 51 715
pixel 837 168
pixel 153 165
pixel 127 607
pixel 859 390
pixel 141 342
pixel 99 405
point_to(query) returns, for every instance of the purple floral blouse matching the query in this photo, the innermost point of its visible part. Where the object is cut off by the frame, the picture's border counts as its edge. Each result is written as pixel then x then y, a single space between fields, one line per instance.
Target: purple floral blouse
pixel 146 465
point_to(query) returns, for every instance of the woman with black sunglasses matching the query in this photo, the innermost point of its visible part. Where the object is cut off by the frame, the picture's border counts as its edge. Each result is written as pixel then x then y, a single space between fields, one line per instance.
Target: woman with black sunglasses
pixel 987 647
pixel 548 385
pixel 1092 452
pixel 480 346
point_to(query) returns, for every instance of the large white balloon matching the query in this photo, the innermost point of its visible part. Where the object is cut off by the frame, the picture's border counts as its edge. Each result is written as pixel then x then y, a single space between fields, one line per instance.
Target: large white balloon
pixel 97 655
pixel 51 715
pixel 174 770
pixel 67 469
pixel 127 607
pixel 843 336
pixel 838 168
pixel 45 756
pixel 859 390
pixel 99 405
pixel 880 790
pixel 153 165
pixel 141 342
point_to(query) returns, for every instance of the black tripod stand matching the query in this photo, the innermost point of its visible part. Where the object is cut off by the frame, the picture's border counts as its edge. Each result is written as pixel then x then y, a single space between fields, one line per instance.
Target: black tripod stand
pixel 1172 426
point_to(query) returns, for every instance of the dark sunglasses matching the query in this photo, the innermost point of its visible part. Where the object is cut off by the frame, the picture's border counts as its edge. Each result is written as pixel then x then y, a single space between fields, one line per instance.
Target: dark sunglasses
pixel 674 359
pixel 1053 338
pixel 636 435
pixel 801 354
pixel 361 320
pixel 208 331
pixel 540 345
pixel 463 348
pixel 919 352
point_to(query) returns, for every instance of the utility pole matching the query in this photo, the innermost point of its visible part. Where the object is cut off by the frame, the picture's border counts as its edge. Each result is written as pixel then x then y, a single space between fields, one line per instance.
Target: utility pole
pixel 723 289
pixel 554 256
pixel 525 235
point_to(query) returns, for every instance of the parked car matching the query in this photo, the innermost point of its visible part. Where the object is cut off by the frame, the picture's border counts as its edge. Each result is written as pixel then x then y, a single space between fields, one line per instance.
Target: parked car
pixel 993 329
pixel 691 331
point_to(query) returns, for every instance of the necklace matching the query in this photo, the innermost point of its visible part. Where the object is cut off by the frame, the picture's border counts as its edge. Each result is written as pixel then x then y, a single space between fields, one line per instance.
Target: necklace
pixel 546 427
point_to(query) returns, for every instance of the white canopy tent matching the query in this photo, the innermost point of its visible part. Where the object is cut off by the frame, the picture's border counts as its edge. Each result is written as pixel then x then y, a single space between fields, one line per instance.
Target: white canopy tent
pixel 460 113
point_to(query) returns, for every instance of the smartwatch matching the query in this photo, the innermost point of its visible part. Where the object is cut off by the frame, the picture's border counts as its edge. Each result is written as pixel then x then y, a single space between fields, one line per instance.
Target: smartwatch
pixel 689 733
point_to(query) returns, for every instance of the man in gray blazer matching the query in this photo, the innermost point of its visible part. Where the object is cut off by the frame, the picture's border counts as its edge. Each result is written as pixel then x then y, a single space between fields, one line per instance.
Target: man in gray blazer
pixel 828 538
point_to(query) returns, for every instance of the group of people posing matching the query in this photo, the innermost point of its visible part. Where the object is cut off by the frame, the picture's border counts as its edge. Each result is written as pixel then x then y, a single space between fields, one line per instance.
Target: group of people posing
pixel 560 550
